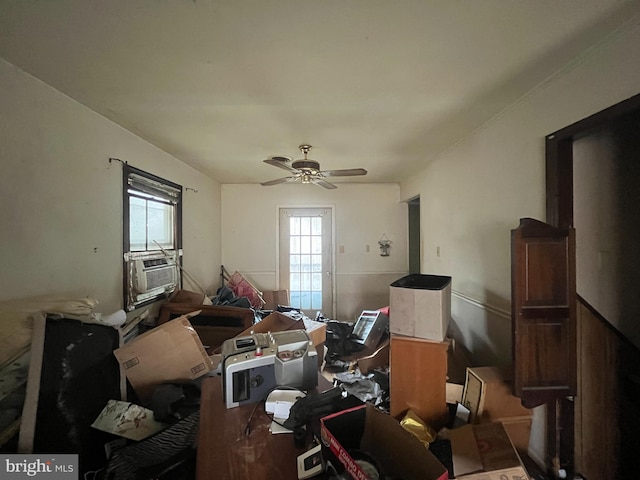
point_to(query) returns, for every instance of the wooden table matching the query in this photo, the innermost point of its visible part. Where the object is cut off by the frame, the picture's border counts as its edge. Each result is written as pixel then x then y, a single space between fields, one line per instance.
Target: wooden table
pixel 226 453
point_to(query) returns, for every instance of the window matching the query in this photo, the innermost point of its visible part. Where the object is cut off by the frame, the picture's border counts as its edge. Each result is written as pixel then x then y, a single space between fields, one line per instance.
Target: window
pixel 152 237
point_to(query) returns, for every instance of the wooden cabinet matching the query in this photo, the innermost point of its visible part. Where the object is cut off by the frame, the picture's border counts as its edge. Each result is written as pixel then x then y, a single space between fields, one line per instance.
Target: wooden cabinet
pixel 417 378
pixel 543 312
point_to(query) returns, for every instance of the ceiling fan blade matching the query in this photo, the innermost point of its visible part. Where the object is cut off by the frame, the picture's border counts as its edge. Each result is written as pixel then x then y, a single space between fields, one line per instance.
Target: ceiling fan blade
pixel 347 172
pixel 278 181
pixel 322 183
pixel 281 162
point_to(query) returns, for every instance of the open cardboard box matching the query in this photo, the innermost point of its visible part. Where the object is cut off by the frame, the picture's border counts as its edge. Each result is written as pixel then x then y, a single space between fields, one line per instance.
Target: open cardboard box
pixel 169 353
pixel 366 429
pixel 279 322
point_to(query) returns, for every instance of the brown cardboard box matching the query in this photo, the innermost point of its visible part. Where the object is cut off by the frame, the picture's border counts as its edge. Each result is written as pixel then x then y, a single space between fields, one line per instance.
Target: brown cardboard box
pixel 519 431
pixel 213 323
pixel 316 330
pixel 484 452
pixel 457 364
pixel 169 353
pixel 396 451
pixel 273 298
pixel 279 322
pixel 274 322
pixel 487 394
pixel 418 377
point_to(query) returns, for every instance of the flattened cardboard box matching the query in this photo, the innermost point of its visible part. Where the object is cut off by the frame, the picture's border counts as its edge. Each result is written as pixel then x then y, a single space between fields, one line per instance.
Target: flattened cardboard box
pixel 484 452
pixel 169 353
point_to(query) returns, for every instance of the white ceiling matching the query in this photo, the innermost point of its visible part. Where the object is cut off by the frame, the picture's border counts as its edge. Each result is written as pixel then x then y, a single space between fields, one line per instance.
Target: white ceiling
pixel 385 85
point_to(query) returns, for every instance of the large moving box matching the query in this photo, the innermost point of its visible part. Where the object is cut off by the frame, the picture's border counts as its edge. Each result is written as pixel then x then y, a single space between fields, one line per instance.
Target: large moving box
pixel 169 353
pixel 420 306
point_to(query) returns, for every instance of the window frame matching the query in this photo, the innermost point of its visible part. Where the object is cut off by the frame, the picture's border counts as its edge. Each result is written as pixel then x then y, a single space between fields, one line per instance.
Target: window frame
pixel 148 185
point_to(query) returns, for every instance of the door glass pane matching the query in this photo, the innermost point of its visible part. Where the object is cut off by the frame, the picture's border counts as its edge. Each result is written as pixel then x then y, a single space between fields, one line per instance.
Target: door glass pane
pixel 294 244
pixel 305 225
pixel 316 226
pixel 294 225
pixel 305 244
pixel 305 263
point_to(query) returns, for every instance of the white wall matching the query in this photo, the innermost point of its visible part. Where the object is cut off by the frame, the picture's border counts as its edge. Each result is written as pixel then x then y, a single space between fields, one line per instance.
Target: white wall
pixel 61 209
pixel 362 214
pixel 476 192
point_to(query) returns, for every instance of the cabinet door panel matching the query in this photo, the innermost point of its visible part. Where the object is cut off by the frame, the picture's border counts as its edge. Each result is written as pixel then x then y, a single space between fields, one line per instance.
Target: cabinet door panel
pixel 543 312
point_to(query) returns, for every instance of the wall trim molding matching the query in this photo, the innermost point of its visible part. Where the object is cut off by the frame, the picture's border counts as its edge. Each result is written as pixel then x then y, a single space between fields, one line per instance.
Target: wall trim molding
pixel 373 273
pixel 477 303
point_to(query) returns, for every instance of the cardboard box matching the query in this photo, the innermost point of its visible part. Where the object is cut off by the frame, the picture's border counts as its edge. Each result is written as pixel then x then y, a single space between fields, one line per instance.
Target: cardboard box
pixel 274 322
pixel 279 322
pixel 273 298
pixel 457 364
pixel 488 396
pixel 397 452
pixel 418 376
pixel 169 353
pixel 420 306
pixel 484 452
pixel 213 323
pixel 519 431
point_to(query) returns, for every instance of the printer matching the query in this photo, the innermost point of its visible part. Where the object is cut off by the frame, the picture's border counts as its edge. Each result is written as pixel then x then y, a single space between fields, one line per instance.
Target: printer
pixel 253 365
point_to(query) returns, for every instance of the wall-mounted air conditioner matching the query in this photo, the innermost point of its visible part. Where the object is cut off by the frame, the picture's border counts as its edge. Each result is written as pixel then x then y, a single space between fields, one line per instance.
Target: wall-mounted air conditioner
pixel 150 276
pixel 156 273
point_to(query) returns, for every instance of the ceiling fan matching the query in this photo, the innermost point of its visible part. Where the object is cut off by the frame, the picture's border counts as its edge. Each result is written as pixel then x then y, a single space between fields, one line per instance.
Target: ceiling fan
pixel 308 171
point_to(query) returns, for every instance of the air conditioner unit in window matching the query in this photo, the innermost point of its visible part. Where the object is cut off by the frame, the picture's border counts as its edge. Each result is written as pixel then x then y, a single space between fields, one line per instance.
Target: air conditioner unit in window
pixel 154 274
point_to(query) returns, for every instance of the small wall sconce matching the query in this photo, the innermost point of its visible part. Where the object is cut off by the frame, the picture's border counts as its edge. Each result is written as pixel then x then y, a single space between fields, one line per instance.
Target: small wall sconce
pixel 385 245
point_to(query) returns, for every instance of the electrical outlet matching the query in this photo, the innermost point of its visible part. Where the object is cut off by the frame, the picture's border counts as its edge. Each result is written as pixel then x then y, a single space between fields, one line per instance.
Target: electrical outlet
pixel 367 248
pixel 437 251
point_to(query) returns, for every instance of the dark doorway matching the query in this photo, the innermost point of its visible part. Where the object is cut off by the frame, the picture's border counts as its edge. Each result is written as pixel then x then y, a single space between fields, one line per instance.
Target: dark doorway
pixel 594 165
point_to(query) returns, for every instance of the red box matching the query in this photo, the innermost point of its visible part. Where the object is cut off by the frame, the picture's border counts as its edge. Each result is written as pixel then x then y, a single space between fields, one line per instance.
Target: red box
pixel 366 429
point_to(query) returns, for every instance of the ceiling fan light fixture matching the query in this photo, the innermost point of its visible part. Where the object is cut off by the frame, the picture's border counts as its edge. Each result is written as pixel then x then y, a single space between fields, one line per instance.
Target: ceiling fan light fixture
pixel 307 171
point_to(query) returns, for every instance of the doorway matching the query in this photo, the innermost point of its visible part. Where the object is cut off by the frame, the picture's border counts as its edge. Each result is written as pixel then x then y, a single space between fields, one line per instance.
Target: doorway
pixel 592 173
pixel 306 259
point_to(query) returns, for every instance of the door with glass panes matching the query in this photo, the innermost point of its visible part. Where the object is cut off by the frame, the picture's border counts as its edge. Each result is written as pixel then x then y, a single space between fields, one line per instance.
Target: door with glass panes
pixel 306 259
